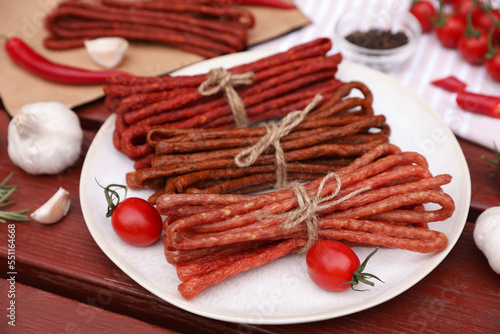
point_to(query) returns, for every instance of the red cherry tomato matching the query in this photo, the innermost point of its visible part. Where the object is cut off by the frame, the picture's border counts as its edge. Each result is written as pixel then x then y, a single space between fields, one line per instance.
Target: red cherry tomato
pixel 331 263
pixel 136 222
pixel 425 12
pixel 473 49
pixel 496 16
pixel 493 66
pixel 449 34
pixel 334 266
pixel 482 21
pixel 461 8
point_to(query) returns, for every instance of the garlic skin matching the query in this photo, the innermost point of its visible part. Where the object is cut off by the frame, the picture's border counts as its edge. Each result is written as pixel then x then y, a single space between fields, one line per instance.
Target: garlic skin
pixel 54 209
pixel 107 52
pixel 487 236
pixel 44 138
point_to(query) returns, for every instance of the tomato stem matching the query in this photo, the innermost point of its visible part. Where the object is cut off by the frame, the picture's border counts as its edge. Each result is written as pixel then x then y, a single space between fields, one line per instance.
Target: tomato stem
pixel 441 18
pixel 360 276
pixel 486 8
pixel 112 196
pixel 491 48
pixel 470 31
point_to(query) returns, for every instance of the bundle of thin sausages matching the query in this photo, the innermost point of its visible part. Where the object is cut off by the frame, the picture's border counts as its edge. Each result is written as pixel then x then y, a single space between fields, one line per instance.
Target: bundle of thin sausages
pixel 281 83
pixel 206 27
pixel 211 237
pixel 203 160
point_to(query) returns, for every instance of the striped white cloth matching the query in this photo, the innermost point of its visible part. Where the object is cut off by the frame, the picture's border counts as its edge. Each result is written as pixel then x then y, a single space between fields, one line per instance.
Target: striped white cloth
pixel 431 61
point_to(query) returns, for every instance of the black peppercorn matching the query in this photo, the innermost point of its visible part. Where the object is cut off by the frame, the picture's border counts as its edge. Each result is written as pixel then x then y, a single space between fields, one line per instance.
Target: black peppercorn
pixel 378 39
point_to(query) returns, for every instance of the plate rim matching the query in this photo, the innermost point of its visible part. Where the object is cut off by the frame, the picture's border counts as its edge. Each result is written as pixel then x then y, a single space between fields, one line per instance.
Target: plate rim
pixel 279 319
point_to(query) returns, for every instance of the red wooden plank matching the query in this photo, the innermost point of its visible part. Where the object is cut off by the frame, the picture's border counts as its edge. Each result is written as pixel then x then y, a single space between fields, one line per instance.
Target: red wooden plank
pixel 461 294
pixel 93 114
pixel 32 310
pixel 485 185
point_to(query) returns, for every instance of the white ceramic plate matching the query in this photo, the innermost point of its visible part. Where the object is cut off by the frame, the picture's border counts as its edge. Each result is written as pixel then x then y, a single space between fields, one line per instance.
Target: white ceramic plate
pixel 281 292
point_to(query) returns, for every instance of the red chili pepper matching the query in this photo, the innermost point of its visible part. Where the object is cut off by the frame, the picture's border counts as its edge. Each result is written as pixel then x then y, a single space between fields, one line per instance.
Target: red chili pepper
pixel 451 84
pixel 26 57
pixel 268 3
pixel 478 103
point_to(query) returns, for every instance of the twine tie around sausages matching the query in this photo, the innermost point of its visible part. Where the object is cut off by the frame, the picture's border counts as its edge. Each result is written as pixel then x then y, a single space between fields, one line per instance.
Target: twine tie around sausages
pixel 309 206
pixel 274 133
pixel 220 79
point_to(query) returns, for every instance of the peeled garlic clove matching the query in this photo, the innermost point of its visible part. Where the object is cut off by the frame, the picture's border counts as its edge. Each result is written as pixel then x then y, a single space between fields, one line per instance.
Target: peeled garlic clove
pixel 54 209
pixel 107 52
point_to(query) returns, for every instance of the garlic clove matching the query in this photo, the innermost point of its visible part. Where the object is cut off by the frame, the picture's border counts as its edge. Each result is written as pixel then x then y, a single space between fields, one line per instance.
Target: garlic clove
pixel 107 52
pixel 54 209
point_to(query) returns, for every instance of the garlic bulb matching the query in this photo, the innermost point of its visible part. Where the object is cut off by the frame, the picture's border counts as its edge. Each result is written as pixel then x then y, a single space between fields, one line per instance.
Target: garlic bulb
pixel 44 138
pixel 54 209
pixel 107 52
pixel 487 236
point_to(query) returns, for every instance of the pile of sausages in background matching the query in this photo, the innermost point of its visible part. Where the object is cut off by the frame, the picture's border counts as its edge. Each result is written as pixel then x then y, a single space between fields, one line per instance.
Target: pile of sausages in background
pixel 207 28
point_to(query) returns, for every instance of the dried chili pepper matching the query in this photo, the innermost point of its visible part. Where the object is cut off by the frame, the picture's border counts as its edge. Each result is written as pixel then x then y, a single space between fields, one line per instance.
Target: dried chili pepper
pixel 479 103
pixel 27 58
pixel 451 84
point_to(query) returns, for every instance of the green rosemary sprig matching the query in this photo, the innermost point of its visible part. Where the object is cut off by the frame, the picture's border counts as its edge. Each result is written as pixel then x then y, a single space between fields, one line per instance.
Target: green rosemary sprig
pixel 5 191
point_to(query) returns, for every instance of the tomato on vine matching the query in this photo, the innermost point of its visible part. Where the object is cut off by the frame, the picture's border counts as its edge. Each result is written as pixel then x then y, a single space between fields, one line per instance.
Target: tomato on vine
pixel 484 18
pixel 134 219
pixel 462 8
pixel 493 65
pixel 448 28
pixel 492 57
pixel 424 12
pixel 473 49
pixel 334 266
pixel 450 32
pixel 473 45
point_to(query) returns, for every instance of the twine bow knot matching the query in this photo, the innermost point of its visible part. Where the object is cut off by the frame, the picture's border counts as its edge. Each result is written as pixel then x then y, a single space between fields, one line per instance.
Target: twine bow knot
pixel 309 206
pixel 274 133
pixel 220 79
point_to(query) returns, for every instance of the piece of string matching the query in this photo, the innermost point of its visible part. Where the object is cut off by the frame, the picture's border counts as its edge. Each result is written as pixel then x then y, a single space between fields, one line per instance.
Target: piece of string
pixel 309 206
pixel 274 133
pixel 220 79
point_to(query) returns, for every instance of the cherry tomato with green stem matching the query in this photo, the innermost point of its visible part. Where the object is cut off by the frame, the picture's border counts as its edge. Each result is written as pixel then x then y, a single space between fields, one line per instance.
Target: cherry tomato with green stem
pixel 473 49
pixel 480 19
pixel 450 32
pixel 484 17
pixel 334 266
pixel 493 66
pixel 461 8
pixel 424 12
pixel 448 28
pixel 134 220
pixel 473 45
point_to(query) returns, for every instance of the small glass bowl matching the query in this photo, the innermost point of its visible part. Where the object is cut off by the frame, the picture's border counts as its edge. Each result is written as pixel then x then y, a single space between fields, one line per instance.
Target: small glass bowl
pixel 379 59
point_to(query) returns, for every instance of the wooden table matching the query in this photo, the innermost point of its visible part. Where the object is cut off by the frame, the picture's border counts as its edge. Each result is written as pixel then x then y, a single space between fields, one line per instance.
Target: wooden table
pixel 64 283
